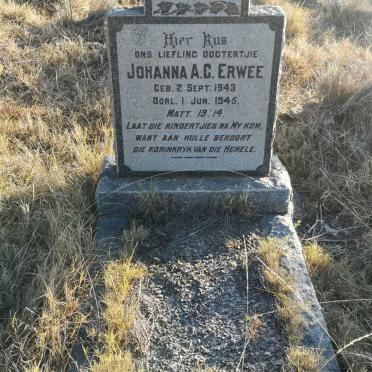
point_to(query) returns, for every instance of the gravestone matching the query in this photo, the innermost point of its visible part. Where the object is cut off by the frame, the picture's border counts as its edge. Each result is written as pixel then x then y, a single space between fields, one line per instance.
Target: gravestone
pixel 194 86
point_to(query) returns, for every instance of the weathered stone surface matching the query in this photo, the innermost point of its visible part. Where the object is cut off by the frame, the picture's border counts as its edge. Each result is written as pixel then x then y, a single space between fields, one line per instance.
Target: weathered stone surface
pixel 196 8
pixel 195 93
pixel 315 332
pixel 108 233
pixel 117 196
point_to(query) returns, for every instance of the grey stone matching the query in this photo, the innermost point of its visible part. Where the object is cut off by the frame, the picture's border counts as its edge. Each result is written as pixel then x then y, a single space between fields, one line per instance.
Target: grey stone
pixel 191 144
pixel 196 8
pixel 116 196
pixel 315 332
pixel 108 234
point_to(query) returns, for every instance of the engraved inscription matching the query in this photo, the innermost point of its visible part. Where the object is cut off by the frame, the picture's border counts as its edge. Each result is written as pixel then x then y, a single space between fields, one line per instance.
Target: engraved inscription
pixel 194 97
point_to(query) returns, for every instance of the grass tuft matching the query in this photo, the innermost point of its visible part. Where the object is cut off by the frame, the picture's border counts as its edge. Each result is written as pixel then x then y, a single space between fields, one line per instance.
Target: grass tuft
pixel 121 305
pixel 317 259
pixel 235 204
pixel 153 204
pixel 114 362
pixel 132 238
pixel 271 251
pixel 304 359
pixel 253 327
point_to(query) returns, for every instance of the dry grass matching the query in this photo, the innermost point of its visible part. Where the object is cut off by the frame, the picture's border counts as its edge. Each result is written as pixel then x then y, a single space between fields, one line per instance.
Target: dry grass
pixel 55 128
pixel 271 252
pixel 303 359
pixel 234 204
pixel 325 139
pixel 254 325
pixel 157 206
pixel 344 283
pixel 347 19
pixel 233 243
pixel 114 362
pixel 120 306
pixel 154 205
pixel 317 259
pixel 120 301
pixel 119 315
pixel 134 237
pixel 296 15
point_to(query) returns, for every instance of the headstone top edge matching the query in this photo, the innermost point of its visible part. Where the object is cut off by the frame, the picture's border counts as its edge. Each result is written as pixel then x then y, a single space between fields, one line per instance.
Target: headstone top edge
pixel 257 11
pixel 266 10
pixel 122 12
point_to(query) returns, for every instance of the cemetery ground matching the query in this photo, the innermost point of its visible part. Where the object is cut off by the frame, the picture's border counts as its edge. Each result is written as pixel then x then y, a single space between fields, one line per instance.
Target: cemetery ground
pixel 55 130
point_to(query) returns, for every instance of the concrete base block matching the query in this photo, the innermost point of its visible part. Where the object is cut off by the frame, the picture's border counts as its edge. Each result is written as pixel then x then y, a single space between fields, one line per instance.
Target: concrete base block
pixel 116 196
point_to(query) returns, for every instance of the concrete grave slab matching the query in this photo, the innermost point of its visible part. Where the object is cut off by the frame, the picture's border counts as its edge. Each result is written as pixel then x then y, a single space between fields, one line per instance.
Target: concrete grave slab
pixel 278 226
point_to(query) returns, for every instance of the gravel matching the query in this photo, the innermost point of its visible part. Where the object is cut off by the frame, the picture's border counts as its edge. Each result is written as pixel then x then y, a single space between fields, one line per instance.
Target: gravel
pixel 195 301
